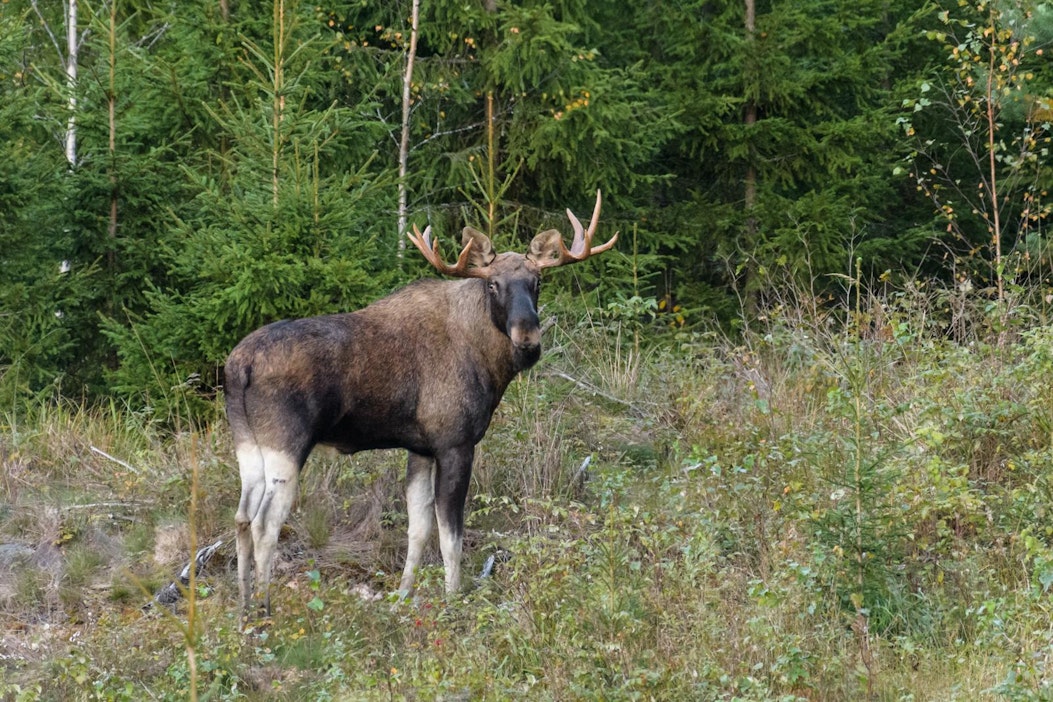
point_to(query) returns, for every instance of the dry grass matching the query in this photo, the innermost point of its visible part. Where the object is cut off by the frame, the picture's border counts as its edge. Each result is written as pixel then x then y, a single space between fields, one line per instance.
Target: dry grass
pixel 705 552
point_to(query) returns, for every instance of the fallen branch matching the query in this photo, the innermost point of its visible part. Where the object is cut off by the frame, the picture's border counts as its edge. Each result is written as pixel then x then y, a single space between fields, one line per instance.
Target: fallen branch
pixel 588 387
pixel 107 505
pixel 549 323
pixel 116 460
pixel 114 511
pixel 582 474
pixel 499 556
pixel 174 591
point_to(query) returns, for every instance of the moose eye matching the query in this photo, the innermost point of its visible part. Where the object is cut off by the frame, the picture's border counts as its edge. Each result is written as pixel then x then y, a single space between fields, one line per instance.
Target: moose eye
pixel 492 286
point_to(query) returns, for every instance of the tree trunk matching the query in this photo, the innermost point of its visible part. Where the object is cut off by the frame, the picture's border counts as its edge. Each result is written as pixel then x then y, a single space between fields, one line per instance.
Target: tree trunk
pixel 278 108
pixel 491 169
pixel 749 119
pixel 750 179
pixel 71 82
pixel 990 101
pixel 407 82
pixel 111 230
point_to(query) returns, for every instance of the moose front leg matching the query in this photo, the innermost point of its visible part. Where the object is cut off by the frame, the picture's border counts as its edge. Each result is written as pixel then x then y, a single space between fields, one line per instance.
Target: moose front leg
pixel 452 476
pixel 420 506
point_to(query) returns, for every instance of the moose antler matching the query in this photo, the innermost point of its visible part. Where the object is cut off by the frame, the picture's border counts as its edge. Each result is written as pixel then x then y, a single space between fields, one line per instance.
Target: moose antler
pixel 430 249
pixel 581 248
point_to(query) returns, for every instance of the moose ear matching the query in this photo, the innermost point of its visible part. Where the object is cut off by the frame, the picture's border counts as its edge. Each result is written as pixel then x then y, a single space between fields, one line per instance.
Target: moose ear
pixel 482 253
pixel 545 246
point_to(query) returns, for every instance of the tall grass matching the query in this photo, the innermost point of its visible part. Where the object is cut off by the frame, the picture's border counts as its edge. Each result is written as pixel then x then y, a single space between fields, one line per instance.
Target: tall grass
pixel 839 503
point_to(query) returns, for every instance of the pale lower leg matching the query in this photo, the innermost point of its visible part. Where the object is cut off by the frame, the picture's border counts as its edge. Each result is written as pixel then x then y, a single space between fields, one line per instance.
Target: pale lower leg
pixel 451 544
pixel 281 472
pixel 453 474
pixel 420 500
pixel 250 465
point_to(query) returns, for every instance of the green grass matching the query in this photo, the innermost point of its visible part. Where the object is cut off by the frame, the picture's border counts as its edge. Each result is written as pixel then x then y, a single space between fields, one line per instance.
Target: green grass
pixel 807 512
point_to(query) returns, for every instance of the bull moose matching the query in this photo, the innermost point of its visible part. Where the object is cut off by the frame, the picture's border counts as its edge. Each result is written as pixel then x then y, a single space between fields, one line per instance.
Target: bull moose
pixel 422 369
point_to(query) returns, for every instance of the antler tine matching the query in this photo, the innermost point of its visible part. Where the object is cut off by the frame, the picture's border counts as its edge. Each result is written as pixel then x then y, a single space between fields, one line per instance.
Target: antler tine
pixel 578 245
pixel 423 243
pixel 430 250
pixel 595 220
pixel 581 247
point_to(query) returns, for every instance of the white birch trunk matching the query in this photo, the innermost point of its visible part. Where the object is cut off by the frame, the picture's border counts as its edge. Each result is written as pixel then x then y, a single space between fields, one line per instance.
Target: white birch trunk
pixel 72 46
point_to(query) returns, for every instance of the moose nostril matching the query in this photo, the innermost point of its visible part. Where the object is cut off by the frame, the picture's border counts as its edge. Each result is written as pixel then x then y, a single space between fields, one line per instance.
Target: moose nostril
pixel 525 337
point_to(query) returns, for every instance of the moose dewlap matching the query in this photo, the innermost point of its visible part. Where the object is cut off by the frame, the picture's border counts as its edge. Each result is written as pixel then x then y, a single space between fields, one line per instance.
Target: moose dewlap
pixel 422 369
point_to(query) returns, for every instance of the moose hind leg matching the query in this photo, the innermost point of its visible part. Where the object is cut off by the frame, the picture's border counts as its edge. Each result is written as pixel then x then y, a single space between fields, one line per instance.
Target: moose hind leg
pixel 452 477
pixel 253 486
pixel 280 473
pixel 420 500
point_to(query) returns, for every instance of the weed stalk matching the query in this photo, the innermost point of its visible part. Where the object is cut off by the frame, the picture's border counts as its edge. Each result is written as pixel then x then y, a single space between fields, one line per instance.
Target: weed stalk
pixel 861 626
pixel 190 632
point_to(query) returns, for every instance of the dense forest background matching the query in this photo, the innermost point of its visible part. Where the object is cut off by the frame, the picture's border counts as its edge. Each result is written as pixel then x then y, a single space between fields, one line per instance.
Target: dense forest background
pixel 177 174
pixel 790 440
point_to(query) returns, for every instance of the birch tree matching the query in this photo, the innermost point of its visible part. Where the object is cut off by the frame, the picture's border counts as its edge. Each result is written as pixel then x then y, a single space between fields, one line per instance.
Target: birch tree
pixel 404 141
pixel 982 136
pixel 68 51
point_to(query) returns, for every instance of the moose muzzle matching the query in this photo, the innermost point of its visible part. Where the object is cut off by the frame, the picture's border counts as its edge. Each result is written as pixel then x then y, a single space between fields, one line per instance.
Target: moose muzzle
pixel 524 329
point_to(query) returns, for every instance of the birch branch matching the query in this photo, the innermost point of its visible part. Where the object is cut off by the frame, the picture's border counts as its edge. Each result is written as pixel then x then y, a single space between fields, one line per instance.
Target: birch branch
pixel 51 35
pixel 116 460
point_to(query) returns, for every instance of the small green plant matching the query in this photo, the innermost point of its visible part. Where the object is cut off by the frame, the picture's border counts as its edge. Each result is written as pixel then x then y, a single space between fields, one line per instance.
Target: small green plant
pixel 316 520
pixel 83 561
pixel 986 182
pixel 314 579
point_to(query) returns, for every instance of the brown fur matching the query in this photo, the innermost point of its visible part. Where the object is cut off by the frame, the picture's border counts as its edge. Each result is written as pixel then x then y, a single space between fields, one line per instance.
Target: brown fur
pixel 397 368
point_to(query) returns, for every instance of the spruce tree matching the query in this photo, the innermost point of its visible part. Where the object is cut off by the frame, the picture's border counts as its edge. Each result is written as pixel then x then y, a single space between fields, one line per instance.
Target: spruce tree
pixel 282 223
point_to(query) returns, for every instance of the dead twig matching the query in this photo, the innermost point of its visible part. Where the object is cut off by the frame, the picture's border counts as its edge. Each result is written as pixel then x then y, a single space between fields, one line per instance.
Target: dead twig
pixel 589 387
pixel 116 460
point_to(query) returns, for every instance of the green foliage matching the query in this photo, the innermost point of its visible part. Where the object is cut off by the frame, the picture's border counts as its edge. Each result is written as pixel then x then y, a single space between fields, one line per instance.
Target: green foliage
pixel 565 119
pixel 817 152
pixel 278 229
pixel 251 160
pixel 980 125
pixel 40 305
